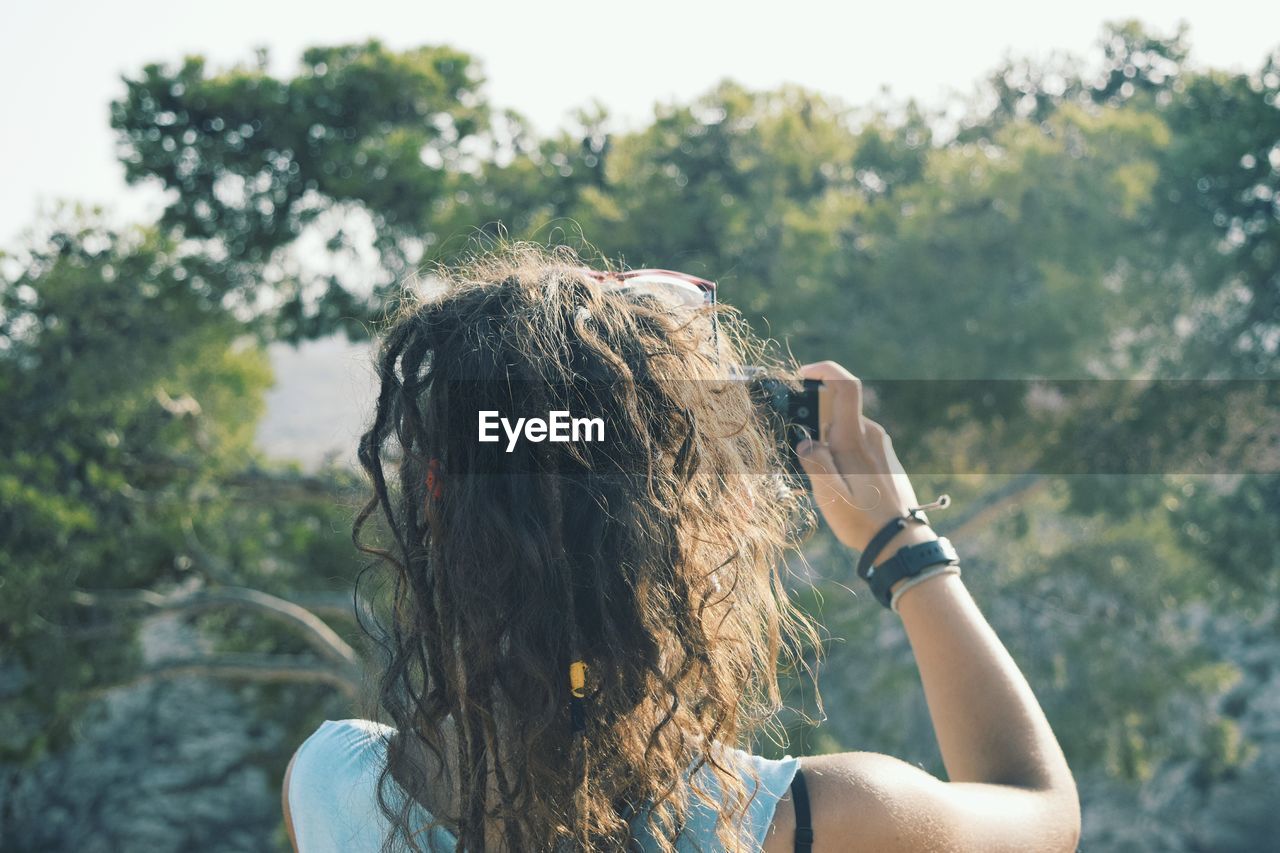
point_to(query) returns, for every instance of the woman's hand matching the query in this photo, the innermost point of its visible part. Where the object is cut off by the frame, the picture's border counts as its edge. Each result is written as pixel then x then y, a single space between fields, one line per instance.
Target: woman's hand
pixel 1010 787
pixel 858 482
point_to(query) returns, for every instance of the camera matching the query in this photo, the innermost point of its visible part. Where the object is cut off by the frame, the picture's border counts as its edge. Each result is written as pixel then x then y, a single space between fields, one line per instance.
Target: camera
pixel 794 413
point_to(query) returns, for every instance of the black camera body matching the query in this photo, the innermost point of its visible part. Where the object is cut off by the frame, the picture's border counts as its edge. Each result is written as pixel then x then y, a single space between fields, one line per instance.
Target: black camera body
pixel 794 414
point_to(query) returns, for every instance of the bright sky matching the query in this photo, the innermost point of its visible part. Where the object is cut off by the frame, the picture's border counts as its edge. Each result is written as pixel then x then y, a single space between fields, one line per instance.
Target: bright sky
pixel 60 62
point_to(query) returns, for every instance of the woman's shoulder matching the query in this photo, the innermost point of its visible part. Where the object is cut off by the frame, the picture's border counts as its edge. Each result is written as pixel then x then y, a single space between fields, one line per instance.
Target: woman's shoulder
pixel 346 735
pixel 766 781
pixel 765 777
pixel 339 749
pixel 332 785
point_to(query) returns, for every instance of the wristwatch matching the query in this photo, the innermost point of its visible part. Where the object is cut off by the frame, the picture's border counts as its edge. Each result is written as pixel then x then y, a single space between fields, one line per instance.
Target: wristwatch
pixel 910 561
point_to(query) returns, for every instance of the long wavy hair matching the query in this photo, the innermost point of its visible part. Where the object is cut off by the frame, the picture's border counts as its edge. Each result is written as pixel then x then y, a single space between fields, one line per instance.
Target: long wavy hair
pixel 654 556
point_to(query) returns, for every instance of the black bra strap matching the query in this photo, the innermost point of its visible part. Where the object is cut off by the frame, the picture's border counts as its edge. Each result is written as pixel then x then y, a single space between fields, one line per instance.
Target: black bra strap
pixel 804 827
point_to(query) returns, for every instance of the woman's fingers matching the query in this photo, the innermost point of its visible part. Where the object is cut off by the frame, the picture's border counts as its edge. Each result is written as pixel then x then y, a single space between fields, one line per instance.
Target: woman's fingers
pixel 845 391
pixel 834 492
pixel 817 462
pixel 824 370
pixel 846 388
pixel 858 482
pixel 830 495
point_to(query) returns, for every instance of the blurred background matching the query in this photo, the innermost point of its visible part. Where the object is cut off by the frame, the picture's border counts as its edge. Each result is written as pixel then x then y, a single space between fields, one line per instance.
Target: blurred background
pixel 1049 239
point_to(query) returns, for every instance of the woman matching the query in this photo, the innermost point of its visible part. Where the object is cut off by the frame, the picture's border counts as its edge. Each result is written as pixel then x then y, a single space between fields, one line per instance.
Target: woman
pixel 580 631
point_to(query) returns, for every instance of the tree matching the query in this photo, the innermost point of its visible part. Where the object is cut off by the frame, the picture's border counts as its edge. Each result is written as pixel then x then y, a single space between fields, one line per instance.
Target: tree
pixel 254 161
pixel 132 487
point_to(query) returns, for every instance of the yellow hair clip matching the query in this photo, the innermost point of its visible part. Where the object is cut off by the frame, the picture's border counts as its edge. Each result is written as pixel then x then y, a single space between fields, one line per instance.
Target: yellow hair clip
pixel 577 691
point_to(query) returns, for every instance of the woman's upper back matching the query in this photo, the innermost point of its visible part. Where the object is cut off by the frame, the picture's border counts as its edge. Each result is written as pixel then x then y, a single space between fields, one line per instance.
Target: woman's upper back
pixel 333 805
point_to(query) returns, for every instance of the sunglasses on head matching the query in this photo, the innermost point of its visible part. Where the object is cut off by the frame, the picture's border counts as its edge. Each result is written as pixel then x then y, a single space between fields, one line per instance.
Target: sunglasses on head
pixel 678 288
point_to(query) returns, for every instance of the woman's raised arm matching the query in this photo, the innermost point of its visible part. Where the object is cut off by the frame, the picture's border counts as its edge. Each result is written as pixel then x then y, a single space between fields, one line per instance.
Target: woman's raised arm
pixel 1009 785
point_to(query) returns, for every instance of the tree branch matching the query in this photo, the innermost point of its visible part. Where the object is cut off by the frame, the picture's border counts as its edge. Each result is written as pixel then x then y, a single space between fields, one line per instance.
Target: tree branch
pixel 267 668
pixel 311 627
pixel 213 566
pixel 333 604
pixel 263 483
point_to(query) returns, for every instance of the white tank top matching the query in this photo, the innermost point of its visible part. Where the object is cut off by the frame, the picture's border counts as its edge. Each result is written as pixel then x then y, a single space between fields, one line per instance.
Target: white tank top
pixel 334 808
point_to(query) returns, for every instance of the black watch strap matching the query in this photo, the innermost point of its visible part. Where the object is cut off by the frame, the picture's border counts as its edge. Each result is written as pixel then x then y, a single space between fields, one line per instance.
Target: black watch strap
pixel 891 529
pixel 882 537
pixel 910 561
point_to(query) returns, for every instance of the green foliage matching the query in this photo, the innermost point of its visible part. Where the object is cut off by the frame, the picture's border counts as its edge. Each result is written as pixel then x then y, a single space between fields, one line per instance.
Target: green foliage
pixel 254 160
pixel 123 394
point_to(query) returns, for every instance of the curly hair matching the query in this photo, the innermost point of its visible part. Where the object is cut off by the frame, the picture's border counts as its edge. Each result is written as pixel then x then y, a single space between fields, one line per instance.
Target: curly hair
pixel 654 556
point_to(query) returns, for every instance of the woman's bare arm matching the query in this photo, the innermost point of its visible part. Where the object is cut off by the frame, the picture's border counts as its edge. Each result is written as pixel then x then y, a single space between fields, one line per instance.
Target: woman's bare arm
pixel 1009 784
pixel 990 727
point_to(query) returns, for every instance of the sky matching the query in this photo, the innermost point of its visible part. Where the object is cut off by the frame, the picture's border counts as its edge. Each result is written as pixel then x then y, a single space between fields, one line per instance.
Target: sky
pixel 61 62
